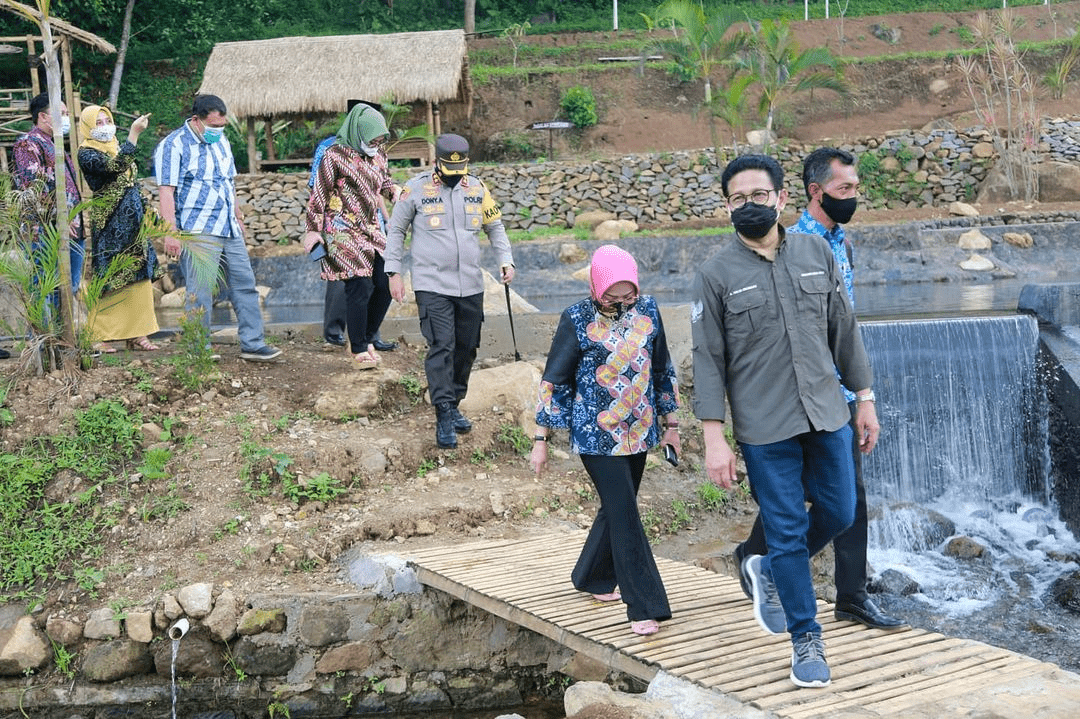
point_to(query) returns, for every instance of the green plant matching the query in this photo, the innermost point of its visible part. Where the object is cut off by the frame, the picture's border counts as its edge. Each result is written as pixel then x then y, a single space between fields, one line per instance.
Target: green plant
pixel 1058 76
pixel 964 33
pixel 514 33
pixel 6 415
pixel 514 436
pixel 936 29
pixel 320 488
pixel 579 106
pixel 680 515
pixel 651 523
pixel 63 659
pixel 154 461
pixel 413 387
pixel 711 496
pixel 425 466
pixel 231 526
pixel 194 366
pixel 163 506
pixel 230 662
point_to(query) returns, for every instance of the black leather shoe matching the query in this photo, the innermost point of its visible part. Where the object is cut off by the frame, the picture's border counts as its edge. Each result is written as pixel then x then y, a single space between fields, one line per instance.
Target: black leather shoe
pixel 4 354
pixel 867 613
pixel 383 346
pixel 337 340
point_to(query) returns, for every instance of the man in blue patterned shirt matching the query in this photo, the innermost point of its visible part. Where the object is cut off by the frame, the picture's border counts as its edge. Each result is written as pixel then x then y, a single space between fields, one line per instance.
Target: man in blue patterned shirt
pixel 831 181
pixel 194 170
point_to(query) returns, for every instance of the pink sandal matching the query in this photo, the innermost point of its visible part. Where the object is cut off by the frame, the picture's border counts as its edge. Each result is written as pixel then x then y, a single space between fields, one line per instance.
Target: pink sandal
pixel 645 627
pixel 365 361
pixel 610 597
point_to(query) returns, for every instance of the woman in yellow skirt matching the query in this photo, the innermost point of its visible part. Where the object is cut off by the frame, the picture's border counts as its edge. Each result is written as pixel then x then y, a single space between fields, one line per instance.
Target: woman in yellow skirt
pixel 126 308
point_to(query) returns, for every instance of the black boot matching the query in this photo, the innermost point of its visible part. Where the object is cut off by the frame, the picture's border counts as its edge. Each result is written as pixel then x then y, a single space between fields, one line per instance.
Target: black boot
pixel 445 436
pixel 462 425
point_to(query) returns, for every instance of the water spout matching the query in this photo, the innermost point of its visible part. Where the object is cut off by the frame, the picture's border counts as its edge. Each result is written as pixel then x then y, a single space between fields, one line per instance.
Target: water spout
pixel 179 629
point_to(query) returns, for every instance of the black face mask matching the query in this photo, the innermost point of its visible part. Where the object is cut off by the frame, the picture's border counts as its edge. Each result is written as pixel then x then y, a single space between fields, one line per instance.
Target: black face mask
pixel 449 180
pixel 839 211
pixel 753 221
pixel 614 311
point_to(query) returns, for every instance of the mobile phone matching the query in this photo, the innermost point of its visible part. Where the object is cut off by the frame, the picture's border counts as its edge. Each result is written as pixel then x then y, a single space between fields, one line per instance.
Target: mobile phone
pixel 670 456
pixel 317 252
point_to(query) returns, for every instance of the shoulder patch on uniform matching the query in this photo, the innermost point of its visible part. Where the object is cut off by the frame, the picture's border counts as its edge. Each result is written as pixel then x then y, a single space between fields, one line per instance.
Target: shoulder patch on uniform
pixel 490 208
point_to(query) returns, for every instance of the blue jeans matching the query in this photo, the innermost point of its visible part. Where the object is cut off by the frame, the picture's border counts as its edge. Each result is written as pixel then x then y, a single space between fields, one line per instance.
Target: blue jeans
pixel 814 467
pixel 231 255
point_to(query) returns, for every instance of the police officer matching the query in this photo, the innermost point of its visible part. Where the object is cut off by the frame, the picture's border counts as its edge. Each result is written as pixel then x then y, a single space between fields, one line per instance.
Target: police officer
pixel 446 209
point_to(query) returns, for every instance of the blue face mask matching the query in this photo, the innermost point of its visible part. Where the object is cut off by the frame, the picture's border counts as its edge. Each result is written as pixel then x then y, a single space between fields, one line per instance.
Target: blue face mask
pixel 212 134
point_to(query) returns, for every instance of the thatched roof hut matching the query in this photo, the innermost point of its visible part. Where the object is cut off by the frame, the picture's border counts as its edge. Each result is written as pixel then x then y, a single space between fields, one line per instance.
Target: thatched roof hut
pixel 297 75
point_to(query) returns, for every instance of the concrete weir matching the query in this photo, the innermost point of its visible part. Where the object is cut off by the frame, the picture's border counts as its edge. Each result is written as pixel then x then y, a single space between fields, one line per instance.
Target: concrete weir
pixel 1057 308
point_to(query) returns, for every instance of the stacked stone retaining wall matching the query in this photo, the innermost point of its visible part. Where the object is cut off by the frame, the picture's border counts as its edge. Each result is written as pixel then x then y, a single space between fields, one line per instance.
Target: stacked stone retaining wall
pixel 909 168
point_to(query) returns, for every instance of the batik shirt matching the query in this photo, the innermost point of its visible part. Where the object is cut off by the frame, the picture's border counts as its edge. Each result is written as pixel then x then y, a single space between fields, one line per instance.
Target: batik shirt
pixel 344 208
pixel 609 380
pixel 34 155
pixel 842 251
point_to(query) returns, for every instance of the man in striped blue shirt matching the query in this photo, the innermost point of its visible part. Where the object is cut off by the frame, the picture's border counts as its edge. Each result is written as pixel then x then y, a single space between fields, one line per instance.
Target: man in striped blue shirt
pixel 194 169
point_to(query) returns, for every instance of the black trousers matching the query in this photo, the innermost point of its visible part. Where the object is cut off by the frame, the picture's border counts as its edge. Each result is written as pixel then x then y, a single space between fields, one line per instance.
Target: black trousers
pixel 849 547
pixel 335 306
pixel 617 550
pixel 451 326
pixel 357 294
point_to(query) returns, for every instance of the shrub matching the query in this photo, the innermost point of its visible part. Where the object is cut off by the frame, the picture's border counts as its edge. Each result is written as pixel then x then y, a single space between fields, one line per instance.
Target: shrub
pixel 579 106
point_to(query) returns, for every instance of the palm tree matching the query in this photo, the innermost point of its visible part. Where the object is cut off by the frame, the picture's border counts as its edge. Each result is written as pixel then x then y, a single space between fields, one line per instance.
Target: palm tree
pixel 701 47
pixel 782 68
pixel 730 106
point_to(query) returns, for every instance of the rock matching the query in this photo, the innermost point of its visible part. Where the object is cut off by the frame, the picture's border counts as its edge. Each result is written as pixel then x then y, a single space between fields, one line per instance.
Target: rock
pixel 355 394
pixel 983 150
pixel 1059 182
pixel 569 252
pixel 260 656
pixel 196 599
pixel 196 656
pixel 511 388
pixel 885 33
pixel 140 626
pixel 355 657
pixel 171 607
pixel 63 631
pixel 977 263
pixel 923 528
pixel 592 218
pixel 116 660
pixel 223 619
pixel 174 300
pixel 964 548
pixel 892 581
pixel 321 625
pixel 611 230
pixel 974 239
pixel 1023 240
pixel 23 648
pixel 962 209
pixel 760 138
pixel 498 506
pixel 938 86
pixel 1066 591
pixel 257 621
pixel 102 624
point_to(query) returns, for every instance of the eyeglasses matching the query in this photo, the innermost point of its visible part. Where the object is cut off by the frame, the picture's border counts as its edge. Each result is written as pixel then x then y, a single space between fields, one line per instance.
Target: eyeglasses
pixel 758 197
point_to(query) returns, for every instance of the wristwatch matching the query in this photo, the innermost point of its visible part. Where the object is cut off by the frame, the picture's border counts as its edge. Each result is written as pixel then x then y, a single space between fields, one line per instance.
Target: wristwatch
pixel 868 397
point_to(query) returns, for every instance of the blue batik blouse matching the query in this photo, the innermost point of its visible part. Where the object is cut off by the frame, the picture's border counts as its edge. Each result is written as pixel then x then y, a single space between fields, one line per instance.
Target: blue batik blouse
pixel 609 380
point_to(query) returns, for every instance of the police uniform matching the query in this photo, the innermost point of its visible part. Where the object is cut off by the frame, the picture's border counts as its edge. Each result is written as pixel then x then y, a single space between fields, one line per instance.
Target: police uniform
pixel 446 222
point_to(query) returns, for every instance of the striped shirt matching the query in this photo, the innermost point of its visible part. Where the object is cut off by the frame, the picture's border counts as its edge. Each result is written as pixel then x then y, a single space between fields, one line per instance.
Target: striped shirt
pixel 202 174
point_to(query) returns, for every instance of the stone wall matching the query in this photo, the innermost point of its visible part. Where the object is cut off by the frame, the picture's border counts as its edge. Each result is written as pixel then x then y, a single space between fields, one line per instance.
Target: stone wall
pixel 913 168
pixel 395 647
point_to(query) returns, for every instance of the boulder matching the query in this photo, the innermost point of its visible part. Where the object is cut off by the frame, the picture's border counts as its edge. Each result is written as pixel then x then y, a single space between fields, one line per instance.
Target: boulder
pixel 592 218
pixel 1023 240
pixel 977 263
pixel 117 660
pixel 509 388
pixel 611 230
pixel 1059 182
pixel 102 624
pixel 964 548
pixel 23 648
pixel 223 619
pixel 197 599
pixel 355 393
pixel 962 209
pixel 257 621
pixel 974 239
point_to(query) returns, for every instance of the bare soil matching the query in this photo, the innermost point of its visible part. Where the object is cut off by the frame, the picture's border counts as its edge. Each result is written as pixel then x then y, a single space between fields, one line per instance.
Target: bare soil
pixel 234 536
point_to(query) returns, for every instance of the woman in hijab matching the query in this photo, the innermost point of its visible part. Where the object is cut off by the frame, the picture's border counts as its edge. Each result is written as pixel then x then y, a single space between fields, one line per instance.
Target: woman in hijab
pixel 343 222
pixel 610 380
pixel 126 309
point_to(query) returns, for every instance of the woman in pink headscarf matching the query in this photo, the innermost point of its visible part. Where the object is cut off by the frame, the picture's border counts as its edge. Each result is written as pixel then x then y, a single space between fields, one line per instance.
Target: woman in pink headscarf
pixel 610 380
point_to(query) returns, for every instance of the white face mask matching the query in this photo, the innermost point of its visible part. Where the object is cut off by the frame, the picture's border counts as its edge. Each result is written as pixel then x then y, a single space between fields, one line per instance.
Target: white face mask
pixel 103 133
pixel 65 125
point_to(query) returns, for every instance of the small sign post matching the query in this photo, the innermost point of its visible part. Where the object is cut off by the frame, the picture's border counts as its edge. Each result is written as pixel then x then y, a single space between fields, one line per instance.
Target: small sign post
pixel 550 126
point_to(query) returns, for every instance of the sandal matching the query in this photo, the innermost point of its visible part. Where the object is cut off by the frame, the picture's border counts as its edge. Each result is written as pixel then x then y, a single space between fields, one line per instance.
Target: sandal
pixel 645 627
pixel 609 597
pixel 371 351
pixel 142 344
pixel 365 361
pixel 102 348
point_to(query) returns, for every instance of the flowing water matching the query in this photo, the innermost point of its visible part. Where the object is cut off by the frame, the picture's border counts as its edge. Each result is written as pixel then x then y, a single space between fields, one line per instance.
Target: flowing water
pixel 964 434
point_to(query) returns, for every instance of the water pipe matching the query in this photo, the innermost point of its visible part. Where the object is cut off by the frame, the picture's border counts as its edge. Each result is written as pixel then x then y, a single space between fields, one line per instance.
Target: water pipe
pixel 179 629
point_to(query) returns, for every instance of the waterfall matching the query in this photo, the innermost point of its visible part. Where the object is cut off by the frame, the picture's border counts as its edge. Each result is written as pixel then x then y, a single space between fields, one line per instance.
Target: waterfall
pixel 963 414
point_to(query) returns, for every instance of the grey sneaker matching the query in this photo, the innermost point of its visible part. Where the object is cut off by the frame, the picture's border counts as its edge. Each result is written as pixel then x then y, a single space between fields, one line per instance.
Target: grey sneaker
pixel 768 611
pixel 266 353
pixel 808 665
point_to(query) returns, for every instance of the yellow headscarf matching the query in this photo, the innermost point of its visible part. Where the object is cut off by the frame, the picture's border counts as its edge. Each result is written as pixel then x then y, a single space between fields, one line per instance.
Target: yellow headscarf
pixel 87 122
